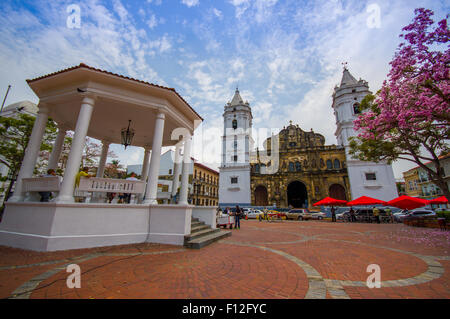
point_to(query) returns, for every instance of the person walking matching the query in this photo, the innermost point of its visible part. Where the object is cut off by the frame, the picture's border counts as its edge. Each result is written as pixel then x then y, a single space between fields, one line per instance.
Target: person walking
pixel 389 214
pixel 352 215
pixel 237 217
pixel 376 213
pixel 333 214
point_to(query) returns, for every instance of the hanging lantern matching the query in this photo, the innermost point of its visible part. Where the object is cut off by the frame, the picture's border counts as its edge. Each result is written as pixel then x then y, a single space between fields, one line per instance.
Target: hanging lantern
pixel 127 135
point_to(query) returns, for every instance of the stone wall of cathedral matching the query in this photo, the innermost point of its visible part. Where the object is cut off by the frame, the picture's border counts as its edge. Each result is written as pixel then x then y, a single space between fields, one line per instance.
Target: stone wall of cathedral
pixel 308 171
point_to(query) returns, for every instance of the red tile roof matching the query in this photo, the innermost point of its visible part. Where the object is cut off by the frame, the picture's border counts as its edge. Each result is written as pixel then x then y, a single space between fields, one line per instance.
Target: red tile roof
pixel 82 65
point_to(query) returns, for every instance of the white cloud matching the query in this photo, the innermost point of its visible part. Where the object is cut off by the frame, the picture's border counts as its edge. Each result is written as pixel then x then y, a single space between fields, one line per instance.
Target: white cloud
pixel 217 13
pixel 190 3
pixel 152 21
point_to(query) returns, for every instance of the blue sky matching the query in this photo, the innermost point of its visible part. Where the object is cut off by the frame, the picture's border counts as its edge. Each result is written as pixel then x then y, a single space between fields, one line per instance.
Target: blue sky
pixel 285 55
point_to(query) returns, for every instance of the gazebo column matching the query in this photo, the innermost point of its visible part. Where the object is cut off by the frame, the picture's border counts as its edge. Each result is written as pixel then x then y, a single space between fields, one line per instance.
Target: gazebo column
pixel 185 174
pixel 152 184
pixel 103 157
pixel 31 153
pixel 176 169
pixel 57 149
pixel 144 173
pixel 76 151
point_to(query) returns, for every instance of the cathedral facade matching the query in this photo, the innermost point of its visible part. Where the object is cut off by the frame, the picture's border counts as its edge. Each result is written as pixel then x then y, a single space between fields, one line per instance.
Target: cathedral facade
pixel 308 170
pixel 296 168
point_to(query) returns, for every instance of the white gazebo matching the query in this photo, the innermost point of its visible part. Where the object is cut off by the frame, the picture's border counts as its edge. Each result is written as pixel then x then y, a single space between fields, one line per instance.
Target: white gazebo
pixel 99 104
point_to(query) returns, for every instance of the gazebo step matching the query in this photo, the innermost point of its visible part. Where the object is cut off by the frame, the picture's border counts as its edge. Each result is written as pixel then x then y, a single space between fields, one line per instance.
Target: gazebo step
pixel 196 223
pixel 208 239
pixel 201 233
pixel 198 228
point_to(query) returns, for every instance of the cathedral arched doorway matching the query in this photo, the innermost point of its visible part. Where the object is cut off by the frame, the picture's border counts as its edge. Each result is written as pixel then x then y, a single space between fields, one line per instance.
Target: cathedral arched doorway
pixel 337 191
pixel 261 196
pixel 297 194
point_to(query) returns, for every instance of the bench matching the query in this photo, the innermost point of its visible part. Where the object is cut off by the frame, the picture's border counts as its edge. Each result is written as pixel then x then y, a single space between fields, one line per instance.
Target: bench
pixel 110 185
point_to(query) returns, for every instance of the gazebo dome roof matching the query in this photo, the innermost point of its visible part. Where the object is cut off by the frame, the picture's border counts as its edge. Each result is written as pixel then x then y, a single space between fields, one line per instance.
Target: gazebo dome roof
pixel 118 99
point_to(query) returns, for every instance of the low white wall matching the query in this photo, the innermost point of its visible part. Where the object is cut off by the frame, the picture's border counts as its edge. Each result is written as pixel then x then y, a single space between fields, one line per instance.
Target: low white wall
pixel 52 226
pixel 169 223
pixel 206 214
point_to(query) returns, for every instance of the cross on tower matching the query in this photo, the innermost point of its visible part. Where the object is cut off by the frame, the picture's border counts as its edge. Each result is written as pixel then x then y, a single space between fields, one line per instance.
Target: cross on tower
pixel 344 64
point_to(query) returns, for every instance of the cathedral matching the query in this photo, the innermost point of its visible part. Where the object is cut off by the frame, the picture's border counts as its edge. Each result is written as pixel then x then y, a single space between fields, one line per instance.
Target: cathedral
pixel 296 167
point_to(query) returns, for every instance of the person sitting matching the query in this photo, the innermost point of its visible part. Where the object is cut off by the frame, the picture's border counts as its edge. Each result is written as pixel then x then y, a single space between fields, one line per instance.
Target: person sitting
pixel 45 196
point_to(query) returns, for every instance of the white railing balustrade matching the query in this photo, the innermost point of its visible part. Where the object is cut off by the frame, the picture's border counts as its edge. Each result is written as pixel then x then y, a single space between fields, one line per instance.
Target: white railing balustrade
pixel 33 185
pixel 42 184
pixel 109 185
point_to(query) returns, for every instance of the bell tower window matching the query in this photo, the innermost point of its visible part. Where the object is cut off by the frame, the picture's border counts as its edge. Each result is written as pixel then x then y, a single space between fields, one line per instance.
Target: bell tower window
pixel 234 124
pixel 356 108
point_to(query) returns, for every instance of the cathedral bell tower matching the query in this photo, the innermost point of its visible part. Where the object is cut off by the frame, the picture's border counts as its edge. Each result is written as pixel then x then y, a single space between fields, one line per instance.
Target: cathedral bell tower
pixel 234 181
pixel 366 178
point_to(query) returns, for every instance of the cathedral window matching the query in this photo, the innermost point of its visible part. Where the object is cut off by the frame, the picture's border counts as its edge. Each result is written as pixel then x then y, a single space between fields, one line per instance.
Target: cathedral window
pixel 371 176
pixel 234 180
pixel 329 164
pixel 257 170
pixel 322 164
pixel 337 164
pixel 234 158
pixel 298 166
pixel 291 167
pixel 292 144
pixel 356 108
pixel 235 124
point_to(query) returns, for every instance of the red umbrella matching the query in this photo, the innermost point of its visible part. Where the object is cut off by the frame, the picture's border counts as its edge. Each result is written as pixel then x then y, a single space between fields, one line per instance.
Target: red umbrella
pixel 439 200
pixel 365 200
pixel 408 202
pixel 328 201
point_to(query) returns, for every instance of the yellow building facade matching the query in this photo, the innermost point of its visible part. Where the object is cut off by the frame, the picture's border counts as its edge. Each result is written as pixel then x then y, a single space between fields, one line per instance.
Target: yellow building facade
pixel 205 186
pixel 308 171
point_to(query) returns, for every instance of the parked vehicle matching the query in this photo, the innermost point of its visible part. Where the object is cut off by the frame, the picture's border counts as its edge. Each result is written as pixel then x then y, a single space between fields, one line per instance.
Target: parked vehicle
pixel 299 214
pixel 254 213
pixel 421 213
pixel 318 215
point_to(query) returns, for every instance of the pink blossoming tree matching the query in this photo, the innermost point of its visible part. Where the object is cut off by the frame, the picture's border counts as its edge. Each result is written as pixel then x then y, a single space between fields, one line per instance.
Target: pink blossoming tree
pixel 409 116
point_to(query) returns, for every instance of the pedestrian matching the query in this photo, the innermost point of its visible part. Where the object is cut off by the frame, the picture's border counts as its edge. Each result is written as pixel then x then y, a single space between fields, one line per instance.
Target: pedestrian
pixel 376 213
pixel 45 196
pixel 352 215
pixel 333 214
pixel 237 217
pixel 127 196
pixel 79 195
pixel 389 214
pixel 265 211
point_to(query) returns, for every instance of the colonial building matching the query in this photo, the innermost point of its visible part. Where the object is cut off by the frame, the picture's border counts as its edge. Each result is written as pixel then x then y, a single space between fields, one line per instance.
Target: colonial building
pixel 419 184
pixel 234 184
pixel 308 170
pixel 206 186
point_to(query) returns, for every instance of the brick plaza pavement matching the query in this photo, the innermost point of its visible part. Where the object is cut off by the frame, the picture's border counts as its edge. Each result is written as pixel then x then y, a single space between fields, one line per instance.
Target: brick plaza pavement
pixel 288 259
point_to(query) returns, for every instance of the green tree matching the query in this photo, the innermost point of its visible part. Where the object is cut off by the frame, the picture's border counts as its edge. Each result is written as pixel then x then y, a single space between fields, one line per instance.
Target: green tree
pixel 15 134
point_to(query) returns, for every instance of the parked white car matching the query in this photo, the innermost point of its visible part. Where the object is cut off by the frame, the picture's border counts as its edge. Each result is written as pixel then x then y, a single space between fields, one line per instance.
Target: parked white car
pixel 254 213
pixel 318 215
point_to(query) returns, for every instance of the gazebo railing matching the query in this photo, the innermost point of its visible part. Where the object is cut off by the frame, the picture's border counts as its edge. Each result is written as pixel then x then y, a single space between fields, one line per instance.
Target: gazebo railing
pixel 109 185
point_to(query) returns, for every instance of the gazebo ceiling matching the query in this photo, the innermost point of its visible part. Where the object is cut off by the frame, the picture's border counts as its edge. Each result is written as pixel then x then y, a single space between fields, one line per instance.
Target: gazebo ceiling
pixel 118 99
